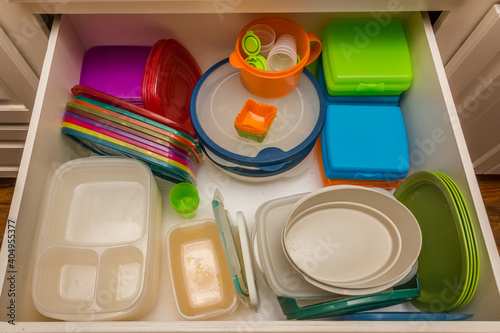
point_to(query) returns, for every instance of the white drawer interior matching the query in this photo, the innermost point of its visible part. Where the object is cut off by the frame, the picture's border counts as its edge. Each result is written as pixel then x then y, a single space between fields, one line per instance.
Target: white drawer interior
pixel 436 143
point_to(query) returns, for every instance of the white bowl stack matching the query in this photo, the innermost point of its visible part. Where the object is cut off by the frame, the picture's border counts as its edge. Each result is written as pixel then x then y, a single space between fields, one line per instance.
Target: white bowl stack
pixel 351 240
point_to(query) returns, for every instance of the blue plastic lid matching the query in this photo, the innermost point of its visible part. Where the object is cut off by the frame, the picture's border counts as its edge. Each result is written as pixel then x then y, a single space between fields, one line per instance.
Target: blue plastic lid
pixel 403 316
pixel 218 98
pixel 264 171
pixel 365 142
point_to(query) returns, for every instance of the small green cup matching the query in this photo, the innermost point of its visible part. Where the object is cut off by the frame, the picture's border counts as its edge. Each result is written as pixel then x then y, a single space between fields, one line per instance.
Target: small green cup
pixel 185 199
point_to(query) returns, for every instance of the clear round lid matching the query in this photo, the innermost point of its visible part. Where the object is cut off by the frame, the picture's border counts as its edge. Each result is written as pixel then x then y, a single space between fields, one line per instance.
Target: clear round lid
pixel 218 98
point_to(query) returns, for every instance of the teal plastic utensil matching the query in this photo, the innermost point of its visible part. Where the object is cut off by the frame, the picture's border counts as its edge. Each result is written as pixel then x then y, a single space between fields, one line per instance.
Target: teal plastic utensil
pixel 397 295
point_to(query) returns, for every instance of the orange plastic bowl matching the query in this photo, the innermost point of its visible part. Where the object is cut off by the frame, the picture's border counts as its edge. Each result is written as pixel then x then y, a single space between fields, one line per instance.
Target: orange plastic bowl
pixel 270 84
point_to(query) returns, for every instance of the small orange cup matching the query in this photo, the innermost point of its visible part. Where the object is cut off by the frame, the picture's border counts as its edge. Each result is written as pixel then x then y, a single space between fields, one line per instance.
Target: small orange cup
pixel 270 84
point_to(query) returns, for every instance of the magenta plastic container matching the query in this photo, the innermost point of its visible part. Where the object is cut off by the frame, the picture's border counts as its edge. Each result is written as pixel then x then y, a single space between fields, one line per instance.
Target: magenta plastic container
pixel 115 70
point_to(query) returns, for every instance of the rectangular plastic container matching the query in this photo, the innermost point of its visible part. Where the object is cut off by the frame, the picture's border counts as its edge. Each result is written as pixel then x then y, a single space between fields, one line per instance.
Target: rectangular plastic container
pixel 435 140
pixel 98 249
pixel 116 70
pixel 365 142
pixel 366 57
pixel 199 272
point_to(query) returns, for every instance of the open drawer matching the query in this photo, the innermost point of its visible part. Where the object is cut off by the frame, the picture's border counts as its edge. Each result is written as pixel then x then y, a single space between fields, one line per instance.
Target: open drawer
pixel 435 137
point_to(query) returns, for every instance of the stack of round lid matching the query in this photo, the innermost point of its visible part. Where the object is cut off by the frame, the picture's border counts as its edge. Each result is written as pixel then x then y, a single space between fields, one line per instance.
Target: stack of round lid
pixel 218 98
pixel 351 240
pixel 169 78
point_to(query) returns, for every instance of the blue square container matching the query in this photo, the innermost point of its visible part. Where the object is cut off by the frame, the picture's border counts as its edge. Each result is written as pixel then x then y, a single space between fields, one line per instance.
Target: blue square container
pixel 365 142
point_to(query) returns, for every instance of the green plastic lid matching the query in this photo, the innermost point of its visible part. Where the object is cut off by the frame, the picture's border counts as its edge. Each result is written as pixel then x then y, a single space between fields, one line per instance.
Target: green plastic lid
pixel 363 58
pixel 251 45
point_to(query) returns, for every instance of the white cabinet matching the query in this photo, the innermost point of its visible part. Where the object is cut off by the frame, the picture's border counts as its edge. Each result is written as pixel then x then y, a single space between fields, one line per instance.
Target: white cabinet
pixel 23 43
pixel 435 138
pixel 474 77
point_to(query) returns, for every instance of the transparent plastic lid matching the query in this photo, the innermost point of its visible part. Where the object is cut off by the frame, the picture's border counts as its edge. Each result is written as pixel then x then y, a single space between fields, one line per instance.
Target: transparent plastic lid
pixel 237 252
pixel 219 97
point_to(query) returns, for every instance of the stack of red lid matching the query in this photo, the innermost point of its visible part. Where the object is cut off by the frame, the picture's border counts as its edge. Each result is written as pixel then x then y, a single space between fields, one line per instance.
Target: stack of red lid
pixel 170 75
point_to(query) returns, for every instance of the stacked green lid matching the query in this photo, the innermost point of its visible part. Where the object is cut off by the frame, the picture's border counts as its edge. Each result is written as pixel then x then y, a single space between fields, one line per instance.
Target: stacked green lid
pixel 449 259
pixel 366 57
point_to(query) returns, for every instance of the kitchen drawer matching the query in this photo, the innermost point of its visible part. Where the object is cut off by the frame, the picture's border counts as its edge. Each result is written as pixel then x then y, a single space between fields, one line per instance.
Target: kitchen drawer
pixel 435 138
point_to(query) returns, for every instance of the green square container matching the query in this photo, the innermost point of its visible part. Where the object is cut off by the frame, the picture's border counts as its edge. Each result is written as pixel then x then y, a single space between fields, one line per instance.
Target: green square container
pixel 366 57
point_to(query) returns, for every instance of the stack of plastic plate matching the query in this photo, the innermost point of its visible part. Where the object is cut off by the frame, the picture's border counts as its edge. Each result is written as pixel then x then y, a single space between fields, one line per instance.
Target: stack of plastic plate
pixel 351 240
pixel 109 126
pixel 170 76
pixel 218 98
pixel 449 260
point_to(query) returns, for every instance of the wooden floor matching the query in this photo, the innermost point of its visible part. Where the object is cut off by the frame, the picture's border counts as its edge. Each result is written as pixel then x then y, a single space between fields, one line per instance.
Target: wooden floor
pixel 490 189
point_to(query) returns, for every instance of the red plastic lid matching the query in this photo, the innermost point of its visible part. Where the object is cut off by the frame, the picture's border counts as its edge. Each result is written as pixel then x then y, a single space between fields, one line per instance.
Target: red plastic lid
pixel 150 75
pixel 169 79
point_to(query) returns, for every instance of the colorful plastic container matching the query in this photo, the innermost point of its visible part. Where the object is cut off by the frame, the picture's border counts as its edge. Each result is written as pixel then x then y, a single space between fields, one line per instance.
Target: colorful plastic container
pixel 269 84
pixel 365 142
pixel 364 57
pixel 255 119
pixel 185 199
pixel 387 185
pixel 170 75
pixel 116 70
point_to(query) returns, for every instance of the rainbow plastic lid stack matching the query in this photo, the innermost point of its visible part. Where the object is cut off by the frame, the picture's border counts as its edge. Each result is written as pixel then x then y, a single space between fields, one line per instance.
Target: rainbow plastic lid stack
pixel 109 126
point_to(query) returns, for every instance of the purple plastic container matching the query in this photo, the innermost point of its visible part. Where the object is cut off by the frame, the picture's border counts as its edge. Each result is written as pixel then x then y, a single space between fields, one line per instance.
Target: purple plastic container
pixel 115 70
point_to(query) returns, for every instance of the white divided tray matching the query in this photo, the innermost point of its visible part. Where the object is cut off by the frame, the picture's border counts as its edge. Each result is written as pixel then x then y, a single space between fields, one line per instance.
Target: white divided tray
pixel 98 245
pixel 435 142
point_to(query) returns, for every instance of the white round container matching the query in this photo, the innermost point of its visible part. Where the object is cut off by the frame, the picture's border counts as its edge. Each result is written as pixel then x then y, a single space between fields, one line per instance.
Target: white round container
pixel 341 243
pixel 267 37
pixel 403 219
